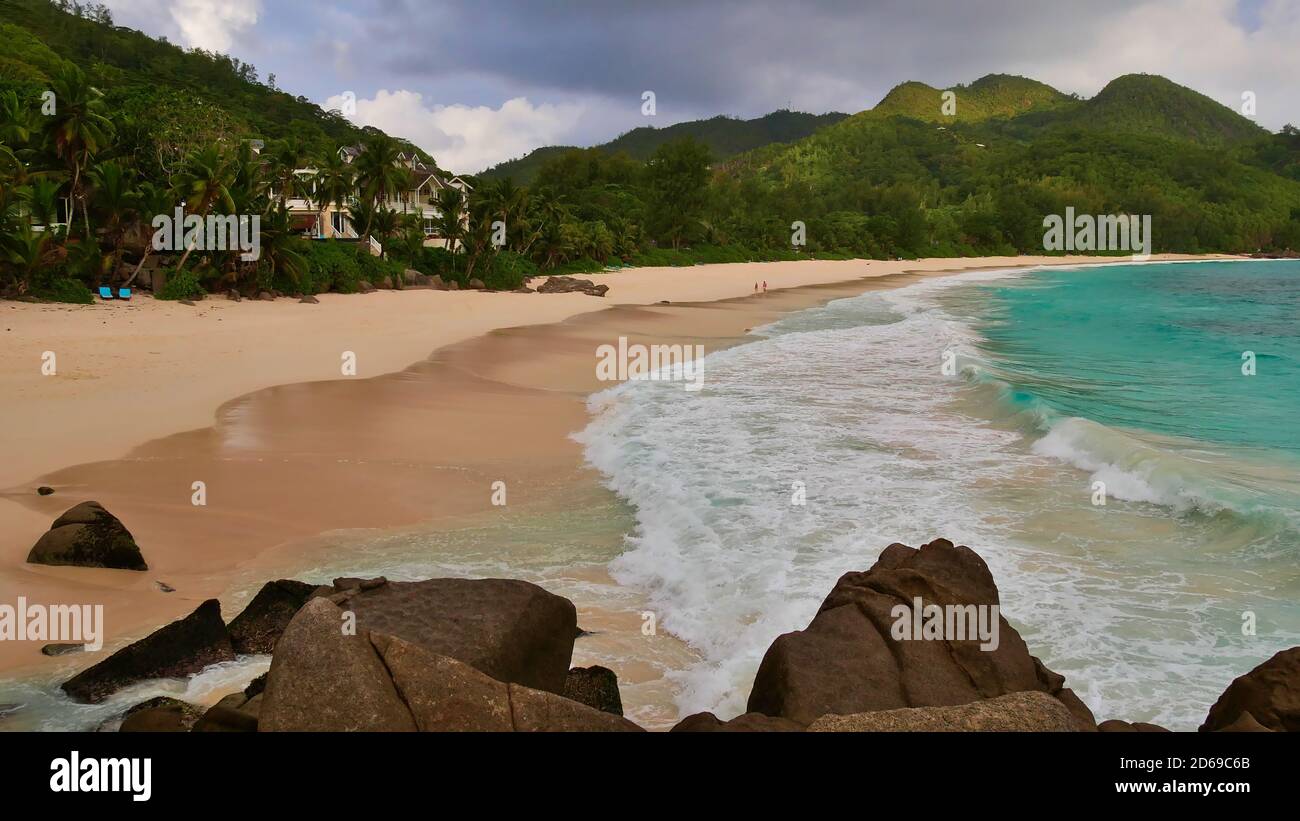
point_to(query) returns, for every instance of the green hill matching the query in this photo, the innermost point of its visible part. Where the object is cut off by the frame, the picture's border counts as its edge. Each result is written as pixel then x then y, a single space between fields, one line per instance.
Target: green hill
pixel 994 95
pixel 180 99
pixel 893 182
pixel 725 137
pixel 1149 104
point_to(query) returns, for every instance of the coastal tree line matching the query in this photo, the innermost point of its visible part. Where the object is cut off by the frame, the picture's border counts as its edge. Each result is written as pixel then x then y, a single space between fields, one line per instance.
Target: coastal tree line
pixel 139 126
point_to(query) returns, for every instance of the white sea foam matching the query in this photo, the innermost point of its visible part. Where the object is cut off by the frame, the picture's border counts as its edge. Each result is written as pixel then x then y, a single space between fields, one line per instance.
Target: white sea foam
pixel 863 416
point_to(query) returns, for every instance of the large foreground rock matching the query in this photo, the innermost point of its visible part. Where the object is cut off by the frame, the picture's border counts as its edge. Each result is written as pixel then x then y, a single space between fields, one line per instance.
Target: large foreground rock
pixel 1024 712
pixel 1266 698
pixel 511 630
pixel 180 649
pixel 324 680
pixel 256 629
pixel 847 661
pixel 88 536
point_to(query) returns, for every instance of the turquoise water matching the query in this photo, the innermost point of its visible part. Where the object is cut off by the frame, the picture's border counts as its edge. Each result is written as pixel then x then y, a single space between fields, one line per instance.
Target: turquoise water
pixel 1159 348
pixel 1125 378
pixel 1160 357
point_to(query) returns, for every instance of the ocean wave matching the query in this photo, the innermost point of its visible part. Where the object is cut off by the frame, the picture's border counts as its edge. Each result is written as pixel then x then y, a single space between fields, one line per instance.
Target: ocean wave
pixel 848 406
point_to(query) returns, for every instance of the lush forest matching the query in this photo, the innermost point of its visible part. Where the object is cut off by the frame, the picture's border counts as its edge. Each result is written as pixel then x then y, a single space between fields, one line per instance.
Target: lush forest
pixel 142 125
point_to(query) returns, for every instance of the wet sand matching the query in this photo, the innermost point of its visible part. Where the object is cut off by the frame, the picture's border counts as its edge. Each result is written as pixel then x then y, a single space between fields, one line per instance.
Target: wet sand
pixel 284 464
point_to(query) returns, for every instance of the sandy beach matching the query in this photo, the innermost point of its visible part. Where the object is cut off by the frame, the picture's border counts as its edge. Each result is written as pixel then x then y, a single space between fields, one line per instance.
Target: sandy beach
pixel 454 391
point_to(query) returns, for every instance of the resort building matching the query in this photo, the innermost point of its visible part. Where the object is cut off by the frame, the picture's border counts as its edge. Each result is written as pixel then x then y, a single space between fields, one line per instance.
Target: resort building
pixel 418 198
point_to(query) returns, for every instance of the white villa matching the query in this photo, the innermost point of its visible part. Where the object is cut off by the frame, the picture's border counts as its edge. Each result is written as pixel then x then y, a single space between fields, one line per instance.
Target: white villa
pixel 426 181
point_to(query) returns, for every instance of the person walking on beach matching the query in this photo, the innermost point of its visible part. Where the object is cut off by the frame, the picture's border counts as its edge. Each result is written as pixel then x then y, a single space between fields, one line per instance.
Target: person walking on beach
pixel 755 287
pixel 764 286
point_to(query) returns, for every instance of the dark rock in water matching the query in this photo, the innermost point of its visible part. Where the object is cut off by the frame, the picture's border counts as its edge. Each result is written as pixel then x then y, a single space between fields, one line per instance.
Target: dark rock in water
pixel 748 723
pixel 256 629
pixel 164 587
pixel 255 687
pixel 1270 694
pixel 45 491
pixel 310 300
pixel 511 630
pixel 323 680
pixel 222 719
pixel 847 660
pixel 88 536
pixel 572 285
pixel 62 649
pixel 579 633
pixel 1116 726
pixel 180 649
pixel 161 715
pixel 1019 712
pixel 596 687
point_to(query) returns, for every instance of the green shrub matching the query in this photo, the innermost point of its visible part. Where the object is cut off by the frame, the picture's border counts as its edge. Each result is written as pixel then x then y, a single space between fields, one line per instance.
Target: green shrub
pixel 64 289
pixel 509 271
pixel 333 266
pixel 182 285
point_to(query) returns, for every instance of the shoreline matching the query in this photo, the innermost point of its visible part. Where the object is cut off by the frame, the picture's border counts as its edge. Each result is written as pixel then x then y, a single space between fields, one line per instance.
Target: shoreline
pixel 500 384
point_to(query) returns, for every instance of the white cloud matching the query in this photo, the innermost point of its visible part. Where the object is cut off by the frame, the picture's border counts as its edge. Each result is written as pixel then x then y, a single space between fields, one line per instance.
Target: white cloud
pixel 208 24
pixel 463 138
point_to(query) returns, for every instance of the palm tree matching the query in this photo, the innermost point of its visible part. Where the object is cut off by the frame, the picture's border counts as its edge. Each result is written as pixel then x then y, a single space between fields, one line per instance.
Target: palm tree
pixel 380 173
pixel 449 221
pixel 206 181
pixel 151 200
pixel 25 250
pixel 40 198
pixel 384 223
pixel 509 203
pixel 362 212
pixel 78 128
pixel 280 248
pixel 15 119
pixel 335 182
pixel 114 198
pixel 288 158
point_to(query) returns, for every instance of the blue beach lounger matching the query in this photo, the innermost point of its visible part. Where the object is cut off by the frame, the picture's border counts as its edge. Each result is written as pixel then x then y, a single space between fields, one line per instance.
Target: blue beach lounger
pixel 123 293
pixel 105 292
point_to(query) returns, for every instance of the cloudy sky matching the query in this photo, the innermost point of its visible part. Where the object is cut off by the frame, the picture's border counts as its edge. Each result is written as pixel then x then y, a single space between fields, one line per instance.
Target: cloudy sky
pixel 482 81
